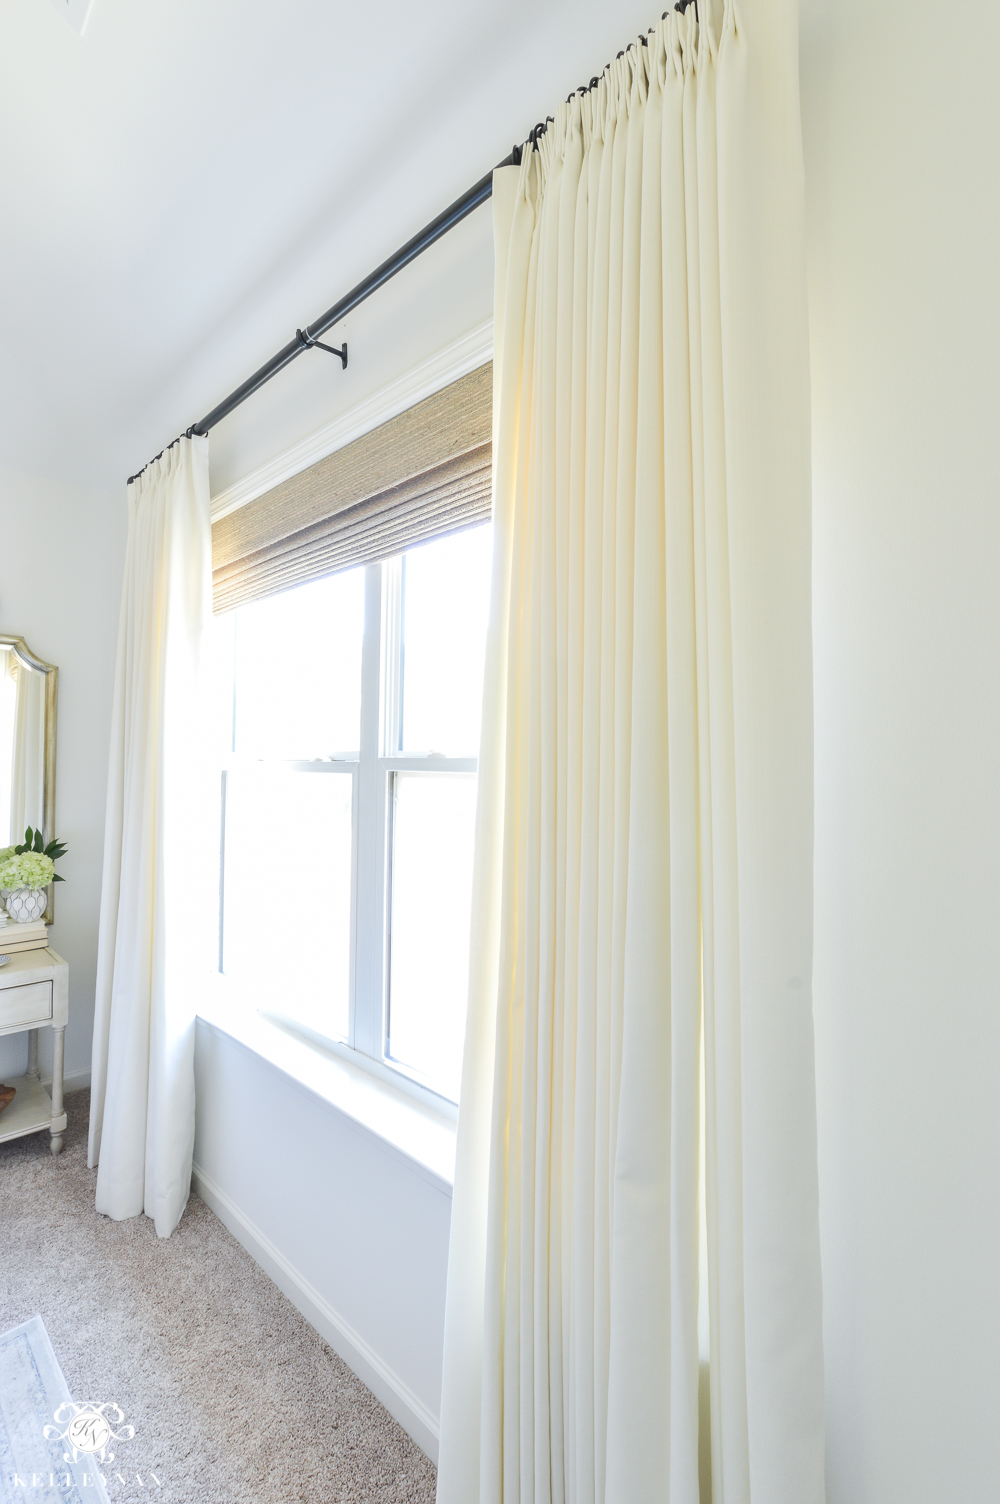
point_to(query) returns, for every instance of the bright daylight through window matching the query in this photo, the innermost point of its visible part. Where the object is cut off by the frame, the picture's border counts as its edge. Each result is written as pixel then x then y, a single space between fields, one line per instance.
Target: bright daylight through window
pixel 348 802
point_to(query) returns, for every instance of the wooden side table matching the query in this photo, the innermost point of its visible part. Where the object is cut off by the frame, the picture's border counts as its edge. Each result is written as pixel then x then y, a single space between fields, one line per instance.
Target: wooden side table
pixel 34 994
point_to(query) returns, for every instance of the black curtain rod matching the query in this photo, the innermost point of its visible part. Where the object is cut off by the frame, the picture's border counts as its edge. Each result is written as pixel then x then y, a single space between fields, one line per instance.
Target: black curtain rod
pixel 445 221
pixel 306 338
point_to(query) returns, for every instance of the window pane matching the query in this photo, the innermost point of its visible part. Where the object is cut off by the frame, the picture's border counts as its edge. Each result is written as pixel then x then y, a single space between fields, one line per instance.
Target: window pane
pixel 446 589
pixel 433 824
pixel 220 647
pixel 287 892
pixel 298 670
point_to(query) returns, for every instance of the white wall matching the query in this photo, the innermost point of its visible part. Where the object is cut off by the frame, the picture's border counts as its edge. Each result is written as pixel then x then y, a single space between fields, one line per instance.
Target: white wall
pixel 902 145
pixel 354 1232
pixel 61 556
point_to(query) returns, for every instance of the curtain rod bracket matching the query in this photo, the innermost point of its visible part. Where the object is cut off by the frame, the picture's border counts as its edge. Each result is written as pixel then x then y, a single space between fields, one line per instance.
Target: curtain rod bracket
pixel 453 215
pixel 307 342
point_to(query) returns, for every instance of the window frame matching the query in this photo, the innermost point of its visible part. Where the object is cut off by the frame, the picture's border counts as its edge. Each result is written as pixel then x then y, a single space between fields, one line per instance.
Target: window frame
pixel 373 768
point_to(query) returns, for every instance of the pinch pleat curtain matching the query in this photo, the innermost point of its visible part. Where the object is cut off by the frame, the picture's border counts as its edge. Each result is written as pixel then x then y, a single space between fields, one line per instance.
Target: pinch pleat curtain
pixel 639 1014
pixel 156 860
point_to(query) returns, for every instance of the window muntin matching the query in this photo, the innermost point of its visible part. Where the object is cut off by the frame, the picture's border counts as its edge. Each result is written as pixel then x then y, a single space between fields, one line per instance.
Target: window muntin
pixel 379 878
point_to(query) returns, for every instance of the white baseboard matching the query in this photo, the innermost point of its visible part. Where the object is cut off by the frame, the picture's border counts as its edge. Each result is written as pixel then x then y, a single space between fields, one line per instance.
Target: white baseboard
pixel 72 1081
pixel 397 1397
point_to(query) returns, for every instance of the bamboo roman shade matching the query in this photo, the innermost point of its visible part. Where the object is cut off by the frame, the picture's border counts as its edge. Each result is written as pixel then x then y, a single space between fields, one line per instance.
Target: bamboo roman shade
pixel 425 472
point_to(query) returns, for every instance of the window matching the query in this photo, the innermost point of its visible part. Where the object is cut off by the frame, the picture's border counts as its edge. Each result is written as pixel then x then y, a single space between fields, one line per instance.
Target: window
pixel 350 719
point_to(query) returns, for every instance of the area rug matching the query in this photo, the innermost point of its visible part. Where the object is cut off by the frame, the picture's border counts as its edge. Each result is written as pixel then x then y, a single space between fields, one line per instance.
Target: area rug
pixel 50 1448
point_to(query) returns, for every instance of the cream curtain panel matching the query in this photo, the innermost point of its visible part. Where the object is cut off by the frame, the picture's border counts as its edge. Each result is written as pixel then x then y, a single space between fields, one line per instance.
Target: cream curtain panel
pixel 643 883
pixel 425 472
pixel 142 1103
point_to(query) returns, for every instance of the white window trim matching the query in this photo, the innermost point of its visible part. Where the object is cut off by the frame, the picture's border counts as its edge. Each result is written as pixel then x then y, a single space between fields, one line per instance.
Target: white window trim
pixel 466 353
pixel 418 1132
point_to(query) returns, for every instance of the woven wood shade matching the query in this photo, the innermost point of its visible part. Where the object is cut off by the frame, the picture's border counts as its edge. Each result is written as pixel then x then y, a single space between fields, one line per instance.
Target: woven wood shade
pixel 425 472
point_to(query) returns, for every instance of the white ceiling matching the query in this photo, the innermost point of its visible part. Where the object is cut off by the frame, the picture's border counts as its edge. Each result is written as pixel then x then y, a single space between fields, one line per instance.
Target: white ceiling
pixel 190 179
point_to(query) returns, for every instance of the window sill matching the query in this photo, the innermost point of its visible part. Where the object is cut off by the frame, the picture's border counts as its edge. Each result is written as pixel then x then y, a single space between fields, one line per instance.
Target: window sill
pixel 418 1134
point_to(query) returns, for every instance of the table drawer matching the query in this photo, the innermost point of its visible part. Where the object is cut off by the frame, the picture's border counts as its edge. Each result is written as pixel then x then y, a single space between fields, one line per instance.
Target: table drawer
pixel 31 1003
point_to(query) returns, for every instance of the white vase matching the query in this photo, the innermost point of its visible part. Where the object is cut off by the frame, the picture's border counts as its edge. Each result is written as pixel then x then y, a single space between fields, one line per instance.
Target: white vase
pixel 25 904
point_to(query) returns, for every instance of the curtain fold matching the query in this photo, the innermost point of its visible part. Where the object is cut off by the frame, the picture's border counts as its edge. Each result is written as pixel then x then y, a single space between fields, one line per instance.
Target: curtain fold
pixel 158 860
pixel 641 943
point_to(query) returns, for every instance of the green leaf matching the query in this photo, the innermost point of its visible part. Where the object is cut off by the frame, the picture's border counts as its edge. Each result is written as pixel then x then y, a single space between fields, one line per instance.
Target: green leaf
pixel 28 837
pixel 38 841
pixel 57 879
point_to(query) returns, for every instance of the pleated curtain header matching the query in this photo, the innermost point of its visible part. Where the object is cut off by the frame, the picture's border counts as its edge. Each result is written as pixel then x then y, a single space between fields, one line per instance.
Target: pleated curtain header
pixel 423 473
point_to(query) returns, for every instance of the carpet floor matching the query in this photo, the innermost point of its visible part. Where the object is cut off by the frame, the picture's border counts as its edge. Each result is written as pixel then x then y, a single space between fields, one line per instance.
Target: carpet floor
pixel 235 1399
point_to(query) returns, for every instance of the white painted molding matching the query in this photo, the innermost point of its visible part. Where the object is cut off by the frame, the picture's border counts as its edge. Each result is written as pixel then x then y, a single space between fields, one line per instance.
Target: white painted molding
pixel 72 1081
pixel 383 1115
pixel 466 354
pixel 397 1397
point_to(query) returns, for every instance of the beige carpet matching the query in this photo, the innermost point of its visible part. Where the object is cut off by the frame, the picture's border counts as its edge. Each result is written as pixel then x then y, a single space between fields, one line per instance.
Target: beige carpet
pixel 235 1399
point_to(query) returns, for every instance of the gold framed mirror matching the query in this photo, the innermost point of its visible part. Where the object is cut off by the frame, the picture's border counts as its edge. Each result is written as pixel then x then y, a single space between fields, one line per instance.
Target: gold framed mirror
pixel 27 745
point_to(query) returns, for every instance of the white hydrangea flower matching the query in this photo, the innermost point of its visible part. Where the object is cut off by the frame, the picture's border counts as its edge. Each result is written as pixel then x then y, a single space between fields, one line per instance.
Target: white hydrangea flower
pixel 29 870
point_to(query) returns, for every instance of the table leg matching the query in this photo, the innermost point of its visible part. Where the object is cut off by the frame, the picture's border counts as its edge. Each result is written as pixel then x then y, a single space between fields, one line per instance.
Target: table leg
pixel 33 1053
pixel 58 1043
